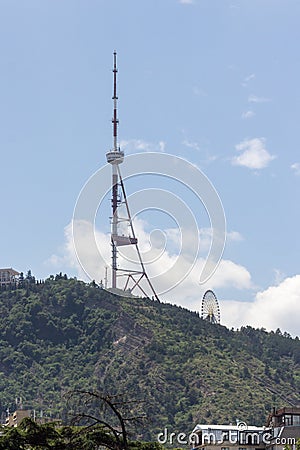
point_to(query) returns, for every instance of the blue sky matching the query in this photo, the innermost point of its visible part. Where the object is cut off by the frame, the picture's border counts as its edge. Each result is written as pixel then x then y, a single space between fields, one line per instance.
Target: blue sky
pixel 213 81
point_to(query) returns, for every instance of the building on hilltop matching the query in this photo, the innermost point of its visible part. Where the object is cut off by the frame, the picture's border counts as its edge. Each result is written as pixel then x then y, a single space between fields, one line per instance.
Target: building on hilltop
pixel 8 277
pixel 14 419
pixel 285 426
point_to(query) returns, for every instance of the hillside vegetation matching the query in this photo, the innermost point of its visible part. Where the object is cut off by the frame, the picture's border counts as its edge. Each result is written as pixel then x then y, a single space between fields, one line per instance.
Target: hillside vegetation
pixel 64 334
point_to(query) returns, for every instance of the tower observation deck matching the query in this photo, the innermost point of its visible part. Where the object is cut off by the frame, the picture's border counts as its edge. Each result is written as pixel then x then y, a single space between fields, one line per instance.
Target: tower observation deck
pixel 115 157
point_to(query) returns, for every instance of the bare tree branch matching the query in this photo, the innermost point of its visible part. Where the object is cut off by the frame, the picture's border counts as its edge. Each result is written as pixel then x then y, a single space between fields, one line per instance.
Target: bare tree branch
pixel 116 404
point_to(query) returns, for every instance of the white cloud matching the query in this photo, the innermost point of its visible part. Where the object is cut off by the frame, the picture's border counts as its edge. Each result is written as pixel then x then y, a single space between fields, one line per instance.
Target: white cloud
pixel 205 237
pixel 230 274
pixel 255 99
pixel 186 2
pixel 199 91
pixel 191 144
pixel 279 276
pixel 162 146
pixel 246 80
pixel 139 145
pixel 165 260
pixel 253 154
pixel 234 7
pixel 234 236
pixel 296 168
pixel 67 257
pixel 194 145
pixel 248 114
pixel 275 307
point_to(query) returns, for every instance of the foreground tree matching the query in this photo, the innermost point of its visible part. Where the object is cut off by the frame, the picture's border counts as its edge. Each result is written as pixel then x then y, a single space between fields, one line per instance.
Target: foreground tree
pixel 104 419
pixel 31 436
pixel 97 420
pixel 12 439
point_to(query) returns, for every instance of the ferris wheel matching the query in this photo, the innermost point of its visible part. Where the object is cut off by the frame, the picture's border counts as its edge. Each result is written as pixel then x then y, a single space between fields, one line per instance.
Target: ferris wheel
pixel 210 309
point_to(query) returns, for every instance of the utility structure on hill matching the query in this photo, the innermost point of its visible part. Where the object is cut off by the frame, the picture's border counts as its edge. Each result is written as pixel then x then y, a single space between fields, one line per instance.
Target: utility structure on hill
pixel 115 157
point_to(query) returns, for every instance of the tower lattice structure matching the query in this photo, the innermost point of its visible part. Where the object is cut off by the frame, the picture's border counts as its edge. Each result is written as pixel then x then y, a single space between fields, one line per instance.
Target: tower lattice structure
pixel 115 157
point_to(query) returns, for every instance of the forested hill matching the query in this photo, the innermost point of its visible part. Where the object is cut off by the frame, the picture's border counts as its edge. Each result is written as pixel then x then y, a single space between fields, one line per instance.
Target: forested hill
pixel 64 334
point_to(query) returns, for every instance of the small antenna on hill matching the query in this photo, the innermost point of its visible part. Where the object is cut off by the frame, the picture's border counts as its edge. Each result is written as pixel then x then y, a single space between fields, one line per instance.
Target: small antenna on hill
pixel 105 278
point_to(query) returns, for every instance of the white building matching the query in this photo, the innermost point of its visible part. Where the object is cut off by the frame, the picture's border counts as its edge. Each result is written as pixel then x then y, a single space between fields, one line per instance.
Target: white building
pixel 228 437
pixel 281 431
pixel 8 276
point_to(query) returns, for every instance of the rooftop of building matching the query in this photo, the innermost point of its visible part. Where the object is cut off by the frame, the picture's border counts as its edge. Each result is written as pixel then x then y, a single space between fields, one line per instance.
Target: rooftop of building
pixel 10 270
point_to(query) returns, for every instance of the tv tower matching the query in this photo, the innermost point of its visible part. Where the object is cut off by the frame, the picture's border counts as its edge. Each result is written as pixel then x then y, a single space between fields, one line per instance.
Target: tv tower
pixel 115 157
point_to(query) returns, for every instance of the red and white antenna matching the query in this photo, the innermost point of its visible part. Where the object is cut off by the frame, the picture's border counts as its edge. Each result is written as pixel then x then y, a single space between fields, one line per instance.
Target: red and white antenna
pixel 116 157
pixel 115 120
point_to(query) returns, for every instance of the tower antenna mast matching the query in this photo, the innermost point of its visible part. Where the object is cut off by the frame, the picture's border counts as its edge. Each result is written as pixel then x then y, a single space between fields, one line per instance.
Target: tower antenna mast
pixel 115 157
pixel 115 120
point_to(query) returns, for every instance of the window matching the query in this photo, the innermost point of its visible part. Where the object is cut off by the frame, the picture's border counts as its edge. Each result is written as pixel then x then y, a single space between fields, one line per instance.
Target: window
pixel 287 420
pixel 296 420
